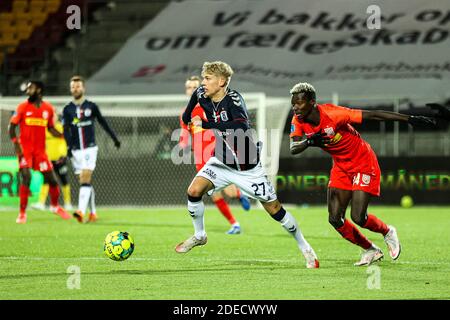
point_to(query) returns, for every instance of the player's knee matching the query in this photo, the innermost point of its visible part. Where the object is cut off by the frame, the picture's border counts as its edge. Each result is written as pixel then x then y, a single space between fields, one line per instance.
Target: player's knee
pixel 335 220
pixel 194 191
pixel 272 207
pixel 359 219
pixel 26 178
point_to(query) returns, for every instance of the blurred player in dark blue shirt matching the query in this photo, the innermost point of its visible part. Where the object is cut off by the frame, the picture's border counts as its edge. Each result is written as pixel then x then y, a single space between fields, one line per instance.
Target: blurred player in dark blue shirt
pixel 79 131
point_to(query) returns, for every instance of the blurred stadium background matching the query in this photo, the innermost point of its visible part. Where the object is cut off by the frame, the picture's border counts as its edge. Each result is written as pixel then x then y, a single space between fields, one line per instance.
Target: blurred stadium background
pixel 143 104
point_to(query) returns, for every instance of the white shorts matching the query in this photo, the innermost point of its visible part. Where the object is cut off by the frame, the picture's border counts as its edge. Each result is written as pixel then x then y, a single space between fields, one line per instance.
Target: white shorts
pixel 84 159
pixel 253 183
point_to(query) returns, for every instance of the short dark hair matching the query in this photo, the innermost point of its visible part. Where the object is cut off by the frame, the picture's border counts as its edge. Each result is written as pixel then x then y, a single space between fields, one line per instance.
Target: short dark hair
pixel 77 78
pixel 39 84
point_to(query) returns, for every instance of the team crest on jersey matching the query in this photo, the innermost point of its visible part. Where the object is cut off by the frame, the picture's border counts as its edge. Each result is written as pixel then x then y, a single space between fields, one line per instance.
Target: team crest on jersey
pixel 329 131
pixel 45 114
pixel 223 115
pixel 87 112
pixel 292 127
pixel 365 179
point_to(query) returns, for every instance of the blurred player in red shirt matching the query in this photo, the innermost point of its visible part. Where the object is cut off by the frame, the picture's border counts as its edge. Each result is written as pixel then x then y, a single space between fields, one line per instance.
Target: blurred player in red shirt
pixel 355 175
pixel 33 117
pixel 203 143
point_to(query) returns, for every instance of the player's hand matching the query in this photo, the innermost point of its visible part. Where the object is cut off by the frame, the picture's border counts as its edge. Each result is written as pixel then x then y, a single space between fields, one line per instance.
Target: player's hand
pixel 18 149
pixel 422 121
pixel 117 144
pixel 197 121
pixel 318 140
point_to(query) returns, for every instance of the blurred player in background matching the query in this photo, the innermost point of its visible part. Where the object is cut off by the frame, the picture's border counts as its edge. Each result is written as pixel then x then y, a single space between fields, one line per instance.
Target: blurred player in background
pixel 355 176
pixel 200 145
pixel 79 120
pixel 232 163
pixel 33 117
pixel 56 149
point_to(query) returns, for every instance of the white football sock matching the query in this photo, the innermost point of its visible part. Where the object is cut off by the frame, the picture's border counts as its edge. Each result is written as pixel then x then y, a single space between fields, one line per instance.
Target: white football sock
pixel 290 224
pixel 196 210
pixel 92 203
pixel 83 198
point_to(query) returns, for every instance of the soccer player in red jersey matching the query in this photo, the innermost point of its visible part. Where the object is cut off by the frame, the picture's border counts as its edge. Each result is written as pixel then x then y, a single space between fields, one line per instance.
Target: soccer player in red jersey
pixel 203 143
pixel 33 117
pixel 355 175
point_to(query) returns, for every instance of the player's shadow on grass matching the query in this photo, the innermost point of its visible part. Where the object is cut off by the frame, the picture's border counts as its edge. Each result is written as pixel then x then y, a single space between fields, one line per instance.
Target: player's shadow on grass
pixel 137 224
pixel 220 268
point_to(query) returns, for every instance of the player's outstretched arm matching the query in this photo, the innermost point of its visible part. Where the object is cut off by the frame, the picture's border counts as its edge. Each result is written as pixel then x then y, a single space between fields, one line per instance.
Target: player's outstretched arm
pixel 316 140
pixel 395 116
pixel 55 132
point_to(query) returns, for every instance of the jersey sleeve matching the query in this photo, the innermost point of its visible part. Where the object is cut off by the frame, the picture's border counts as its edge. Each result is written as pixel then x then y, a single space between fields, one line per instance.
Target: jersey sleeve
pixel 18 114
pixel 186 117
pixel 296 128
pixel 344 115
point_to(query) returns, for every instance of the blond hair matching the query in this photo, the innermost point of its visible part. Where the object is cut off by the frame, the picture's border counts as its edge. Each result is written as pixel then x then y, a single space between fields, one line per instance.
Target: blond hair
pixel 218 68
pixel 304 88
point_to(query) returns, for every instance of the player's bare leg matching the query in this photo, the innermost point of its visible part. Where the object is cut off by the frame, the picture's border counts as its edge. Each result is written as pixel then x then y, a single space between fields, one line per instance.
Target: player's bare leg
pixel 224 208
pixel 198 187
pixel 24 192
pixel 50 178
pixel 288 222
pixel 360 202
pixel 338 200
pixel 233 192
pixel 84 194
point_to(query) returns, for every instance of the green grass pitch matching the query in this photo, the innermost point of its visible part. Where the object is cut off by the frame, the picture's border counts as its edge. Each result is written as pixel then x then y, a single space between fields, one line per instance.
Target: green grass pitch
pixel 261 263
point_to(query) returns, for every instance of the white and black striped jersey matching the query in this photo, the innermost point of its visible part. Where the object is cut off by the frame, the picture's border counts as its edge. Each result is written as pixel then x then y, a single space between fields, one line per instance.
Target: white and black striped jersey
pixel 235 145
pixel 79 124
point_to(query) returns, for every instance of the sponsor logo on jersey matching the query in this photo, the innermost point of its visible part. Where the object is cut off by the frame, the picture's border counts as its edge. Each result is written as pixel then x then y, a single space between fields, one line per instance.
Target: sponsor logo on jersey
pixel 336 138
pixel 210 173
pixel 83 123
pixel 36 122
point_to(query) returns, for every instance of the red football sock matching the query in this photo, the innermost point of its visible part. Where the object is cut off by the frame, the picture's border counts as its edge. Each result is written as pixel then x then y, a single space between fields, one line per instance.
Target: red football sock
pixel 376 225
pixel 225 210
pixel 54 195
pixel 238 193
pixel 24 192
pixel 352 234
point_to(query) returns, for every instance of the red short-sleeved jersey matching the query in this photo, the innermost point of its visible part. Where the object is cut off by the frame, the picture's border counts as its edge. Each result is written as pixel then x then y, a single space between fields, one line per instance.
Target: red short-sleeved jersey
pixel 33 122
pixel 203 141
pixel 349 151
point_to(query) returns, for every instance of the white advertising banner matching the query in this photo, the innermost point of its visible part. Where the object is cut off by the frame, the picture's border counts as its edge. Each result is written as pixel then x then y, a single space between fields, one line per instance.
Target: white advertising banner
pixel 346 46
